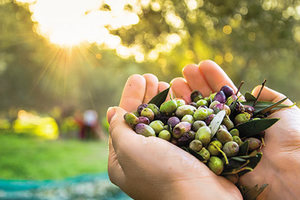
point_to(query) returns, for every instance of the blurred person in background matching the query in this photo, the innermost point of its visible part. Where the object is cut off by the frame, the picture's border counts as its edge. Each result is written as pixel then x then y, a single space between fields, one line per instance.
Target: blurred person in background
pixel 89 126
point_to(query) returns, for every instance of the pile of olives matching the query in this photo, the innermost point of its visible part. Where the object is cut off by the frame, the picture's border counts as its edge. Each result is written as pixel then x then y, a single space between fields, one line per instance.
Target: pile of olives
pixel 193 128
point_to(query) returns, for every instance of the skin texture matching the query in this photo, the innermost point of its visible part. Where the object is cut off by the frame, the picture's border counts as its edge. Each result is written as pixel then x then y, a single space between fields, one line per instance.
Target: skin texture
pixel 280 164
pixel 152 168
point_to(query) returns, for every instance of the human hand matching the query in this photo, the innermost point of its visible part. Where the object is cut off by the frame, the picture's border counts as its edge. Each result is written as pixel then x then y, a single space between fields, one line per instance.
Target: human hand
pixel 152 168
pixel 280 164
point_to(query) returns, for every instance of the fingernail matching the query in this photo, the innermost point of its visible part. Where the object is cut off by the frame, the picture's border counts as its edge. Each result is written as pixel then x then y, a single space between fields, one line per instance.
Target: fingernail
pixel 110 113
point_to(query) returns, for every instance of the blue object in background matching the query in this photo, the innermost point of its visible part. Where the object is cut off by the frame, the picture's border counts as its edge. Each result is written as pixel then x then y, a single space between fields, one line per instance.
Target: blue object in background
pixel 84 187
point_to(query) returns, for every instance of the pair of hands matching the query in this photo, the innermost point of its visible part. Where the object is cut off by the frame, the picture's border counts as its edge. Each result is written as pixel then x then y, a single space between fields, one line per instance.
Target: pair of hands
pixel 152 168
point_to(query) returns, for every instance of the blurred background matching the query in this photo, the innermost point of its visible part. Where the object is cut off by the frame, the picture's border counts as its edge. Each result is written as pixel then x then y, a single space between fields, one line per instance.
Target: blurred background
pixel 64 62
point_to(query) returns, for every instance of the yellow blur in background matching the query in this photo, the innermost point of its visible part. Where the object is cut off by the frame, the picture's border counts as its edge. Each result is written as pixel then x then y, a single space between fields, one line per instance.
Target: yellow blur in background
pixel 29 123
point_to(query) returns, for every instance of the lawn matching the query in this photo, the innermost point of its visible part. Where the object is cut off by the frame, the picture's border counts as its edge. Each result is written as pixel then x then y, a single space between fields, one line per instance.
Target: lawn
pixel 31 158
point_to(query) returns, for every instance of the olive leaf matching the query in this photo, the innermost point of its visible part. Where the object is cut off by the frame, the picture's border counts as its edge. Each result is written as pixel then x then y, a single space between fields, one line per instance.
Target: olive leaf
pixel 160 97
pixel 216 122
pixel 233 165
pixel 253 127
pixel 244 148
pixel 252 193
pixel 253 161
pixel 261 105
pixel 270 107
pixel 238 159
pixel 249 97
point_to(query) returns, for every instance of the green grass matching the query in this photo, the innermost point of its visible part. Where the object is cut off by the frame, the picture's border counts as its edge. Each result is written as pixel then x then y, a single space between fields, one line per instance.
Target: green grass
pixel 25 157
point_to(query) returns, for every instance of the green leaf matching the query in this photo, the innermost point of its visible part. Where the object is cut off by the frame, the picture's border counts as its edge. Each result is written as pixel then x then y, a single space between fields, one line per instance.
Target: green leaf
pixel 216 122
pixel 249 97
pixel 261 105
pixel 160 97
pixel 270 107
pixel 244 148
pixel 232 166
pixel 253 127
pixel 253 162
pixel 252 193
pixel 239 159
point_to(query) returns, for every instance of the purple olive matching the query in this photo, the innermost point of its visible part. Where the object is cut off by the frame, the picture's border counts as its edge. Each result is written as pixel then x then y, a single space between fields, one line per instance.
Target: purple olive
pixel 141 107
pixel 185 139
pixel 218 107
pixel 220 97
pixel 254 143
pixel 144 120
pixel 209 119
pixel 228 91
pixel 173 121
pixel 144 130
pixel 181 128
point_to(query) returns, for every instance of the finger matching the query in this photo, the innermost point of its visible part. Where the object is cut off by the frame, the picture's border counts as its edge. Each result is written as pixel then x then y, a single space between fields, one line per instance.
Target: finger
pixel 110 113
pixel 123 137
pixel 163 86
pixel 181 89
pixel 195 79
pixel 115 171
pixel 133 92
pixel 215 76
pixel 268 94
pixel 151 87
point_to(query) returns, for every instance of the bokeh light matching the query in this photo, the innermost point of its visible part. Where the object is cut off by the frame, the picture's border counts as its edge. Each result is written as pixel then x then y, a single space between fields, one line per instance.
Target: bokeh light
pixel 69 23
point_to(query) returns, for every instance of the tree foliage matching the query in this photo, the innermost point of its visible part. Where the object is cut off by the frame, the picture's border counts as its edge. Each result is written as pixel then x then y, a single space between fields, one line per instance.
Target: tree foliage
pixel 251 40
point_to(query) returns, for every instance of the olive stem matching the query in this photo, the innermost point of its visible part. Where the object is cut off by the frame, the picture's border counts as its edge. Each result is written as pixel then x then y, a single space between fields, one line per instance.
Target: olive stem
pixel 222 152
pixel 239 170
pixel 242 82
pixel 262 87
pixel 263 144
pixel 245 164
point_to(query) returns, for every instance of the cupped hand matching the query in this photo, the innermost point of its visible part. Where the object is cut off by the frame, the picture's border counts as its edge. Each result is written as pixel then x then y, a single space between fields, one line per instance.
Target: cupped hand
pixel 152 168
pixel 280 164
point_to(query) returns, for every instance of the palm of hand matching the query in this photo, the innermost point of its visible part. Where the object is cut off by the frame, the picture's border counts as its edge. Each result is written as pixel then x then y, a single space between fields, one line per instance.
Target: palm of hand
pixel 281 146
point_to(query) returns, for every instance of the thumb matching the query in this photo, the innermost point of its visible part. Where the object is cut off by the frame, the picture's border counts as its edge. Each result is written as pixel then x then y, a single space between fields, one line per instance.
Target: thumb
pixel 123 137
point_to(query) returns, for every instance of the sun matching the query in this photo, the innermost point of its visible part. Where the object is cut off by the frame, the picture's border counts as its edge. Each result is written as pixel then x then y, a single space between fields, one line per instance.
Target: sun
pixel 70 23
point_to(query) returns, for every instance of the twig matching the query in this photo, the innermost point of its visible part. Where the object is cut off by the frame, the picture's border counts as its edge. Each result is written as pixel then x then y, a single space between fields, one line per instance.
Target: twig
pixel 262 87
pixel 242 82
